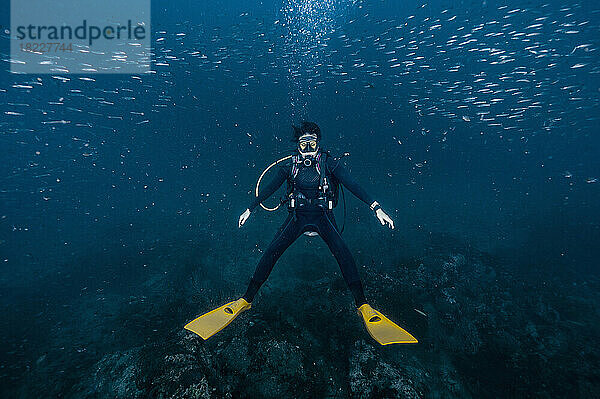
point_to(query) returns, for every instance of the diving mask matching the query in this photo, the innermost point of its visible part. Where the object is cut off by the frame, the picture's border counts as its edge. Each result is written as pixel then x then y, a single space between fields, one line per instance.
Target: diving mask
pixel 308 145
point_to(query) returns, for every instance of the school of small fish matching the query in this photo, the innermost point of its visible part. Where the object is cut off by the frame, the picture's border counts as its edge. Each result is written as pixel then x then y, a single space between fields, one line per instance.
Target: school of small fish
pixel 514 72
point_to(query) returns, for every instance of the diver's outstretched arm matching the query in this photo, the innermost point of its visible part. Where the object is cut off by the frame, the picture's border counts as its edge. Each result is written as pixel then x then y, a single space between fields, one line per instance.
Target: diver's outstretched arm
pixel 282 174
pixel 342 174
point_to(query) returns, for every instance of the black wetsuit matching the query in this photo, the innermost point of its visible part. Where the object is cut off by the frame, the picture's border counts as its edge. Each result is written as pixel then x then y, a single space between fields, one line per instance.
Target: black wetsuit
pixel 310 217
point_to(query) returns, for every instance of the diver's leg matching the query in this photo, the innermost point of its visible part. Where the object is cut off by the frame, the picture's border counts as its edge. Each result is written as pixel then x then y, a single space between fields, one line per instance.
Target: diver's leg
pixel 339 249
pixel 286 235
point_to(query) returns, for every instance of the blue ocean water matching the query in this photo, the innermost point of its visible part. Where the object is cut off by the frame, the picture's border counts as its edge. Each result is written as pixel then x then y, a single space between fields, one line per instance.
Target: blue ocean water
pixel 473 123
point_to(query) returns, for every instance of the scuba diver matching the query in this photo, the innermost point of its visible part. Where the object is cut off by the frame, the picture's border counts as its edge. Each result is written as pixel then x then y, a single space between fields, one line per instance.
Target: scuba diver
pixel 313 179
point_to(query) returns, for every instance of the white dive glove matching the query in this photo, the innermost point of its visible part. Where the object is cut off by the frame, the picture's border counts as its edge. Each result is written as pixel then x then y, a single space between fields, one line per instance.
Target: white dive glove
pixel 384 219
pixel 243 217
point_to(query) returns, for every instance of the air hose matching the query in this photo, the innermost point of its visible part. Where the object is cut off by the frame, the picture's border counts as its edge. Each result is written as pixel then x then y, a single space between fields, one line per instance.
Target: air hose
pixel 260 178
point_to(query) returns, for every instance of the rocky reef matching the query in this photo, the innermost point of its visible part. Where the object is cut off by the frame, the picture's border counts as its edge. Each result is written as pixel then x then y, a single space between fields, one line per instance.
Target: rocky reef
pixel 485 331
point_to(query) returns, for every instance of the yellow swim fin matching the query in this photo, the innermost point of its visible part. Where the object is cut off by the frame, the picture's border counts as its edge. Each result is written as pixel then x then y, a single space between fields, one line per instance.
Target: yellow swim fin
pixel 214 321
pixel 382 329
